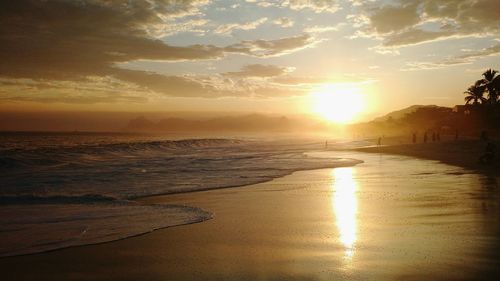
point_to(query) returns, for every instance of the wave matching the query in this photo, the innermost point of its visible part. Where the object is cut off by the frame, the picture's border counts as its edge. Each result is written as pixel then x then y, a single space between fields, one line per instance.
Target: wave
pixel 29 157
pixel 138 169
pixel 65 195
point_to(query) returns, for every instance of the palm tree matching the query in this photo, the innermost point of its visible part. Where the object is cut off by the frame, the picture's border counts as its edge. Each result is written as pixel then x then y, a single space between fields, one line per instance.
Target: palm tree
pixel 491 82
pixel 475 94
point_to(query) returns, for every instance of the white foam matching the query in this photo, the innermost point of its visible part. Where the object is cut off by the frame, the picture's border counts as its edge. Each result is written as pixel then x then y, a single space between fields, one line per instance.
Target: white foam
pixel 27 229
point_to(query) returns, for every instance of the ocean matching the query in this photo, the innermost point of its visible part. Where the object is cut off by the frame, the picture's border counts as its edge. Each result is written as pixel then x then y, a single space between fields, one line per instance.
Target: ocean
pixel 68 189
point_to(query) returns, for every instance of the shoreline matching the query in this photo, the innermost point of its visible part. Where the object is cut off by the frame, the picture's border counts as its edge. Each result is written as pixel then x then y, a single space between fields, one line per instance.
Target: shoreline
pixel 267 229
pixel 143 200
pixel 461 153
pixel 177 214
pixel 208 217
pixel 337 165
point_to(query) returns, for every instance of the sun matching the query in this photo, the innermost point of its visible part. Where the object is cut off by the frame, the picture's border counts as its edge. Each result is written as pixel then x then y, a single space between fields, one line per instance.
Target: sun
pixel 339 103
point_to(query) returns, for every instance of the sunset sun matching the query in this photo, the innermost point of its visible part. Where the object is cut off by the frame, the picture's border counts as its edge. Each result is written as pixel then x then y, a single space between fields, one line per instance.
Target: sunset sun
pixel 339 103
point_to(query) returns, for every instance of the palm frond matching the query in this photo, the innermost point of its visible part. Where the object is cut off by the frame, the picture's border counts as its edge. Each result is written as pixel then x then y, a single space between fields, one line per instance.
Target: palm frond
pixel 489 74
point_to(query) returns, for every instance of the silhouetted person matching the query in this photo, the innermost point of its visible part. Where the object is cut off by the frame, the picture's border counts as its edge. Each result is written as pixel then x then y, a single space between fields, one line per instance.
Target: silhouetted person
pixel 489 154
pixel 438 136
pixel 433 136
pixel 326 144
pixel 425 137
pixel 379 142
pixel 414 137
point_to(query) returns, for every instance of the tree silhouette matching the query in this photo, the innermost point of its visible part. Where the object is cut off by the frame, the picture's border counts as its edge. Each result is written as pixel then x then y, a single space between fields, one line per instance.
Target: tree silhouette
pixel 491 82
pixel 475 94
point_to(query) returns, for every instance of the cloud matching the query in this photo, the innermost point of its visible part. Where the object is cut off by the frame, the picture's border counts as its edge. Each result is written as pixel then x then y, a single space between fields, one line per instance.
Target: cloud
pixel 321 29
pixel 92 90
pixel 191 25
pixel 277 47
pixel 284 22
pixel 415 36
pixel 259 70
pixel 300 81
pixel 76 41
pixel 467 58
pixel 228 28
pixel 265 4
pixel 490 51
pixel 394 18
pixel 175 86
pixel 73 39
pixel 318 6
pixel 410 22
pixel 132 86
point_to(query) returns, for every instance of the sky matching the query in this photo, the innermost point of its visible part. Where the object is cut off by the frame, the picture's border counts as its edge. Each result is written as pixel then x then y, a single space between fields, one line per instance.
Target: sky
pixel 243 56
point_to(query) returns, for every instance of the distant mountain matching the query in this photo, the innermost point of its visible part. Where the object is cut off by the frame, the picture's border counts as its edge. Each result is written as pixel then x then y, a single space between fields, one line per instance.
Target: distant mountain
pixel 398 114
pixel 245 123
pixel 140 124
pixel 416 118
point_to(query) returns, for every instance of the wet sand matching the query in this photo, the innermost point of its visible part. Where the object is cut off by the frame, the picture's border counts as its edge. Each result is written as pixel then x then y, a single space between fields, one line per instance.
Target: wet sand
pixel 390 218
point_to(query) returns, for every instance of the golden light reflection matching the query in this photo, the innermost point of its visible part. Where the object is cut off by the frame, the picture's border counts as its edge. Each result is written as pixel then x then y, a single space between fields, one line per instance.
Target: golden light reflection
pixel 345 207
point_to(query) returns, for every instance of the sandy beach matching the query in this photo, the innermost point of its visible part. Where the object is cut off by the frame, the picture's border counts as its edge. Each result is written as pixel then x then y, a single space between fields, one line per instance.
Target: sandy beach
pixel 389 218
pixel 463 153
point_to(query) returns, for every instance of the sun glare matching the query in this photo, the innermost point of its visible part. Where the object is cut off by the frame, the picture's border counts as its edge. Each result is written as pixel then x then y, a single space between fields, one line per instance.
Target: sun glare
pixel 339 103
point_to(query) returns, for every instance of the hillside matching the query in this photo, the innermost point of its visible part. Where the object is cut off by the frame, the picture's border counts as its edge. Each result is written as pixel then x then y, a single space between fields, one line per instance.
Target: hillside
pixel 399 114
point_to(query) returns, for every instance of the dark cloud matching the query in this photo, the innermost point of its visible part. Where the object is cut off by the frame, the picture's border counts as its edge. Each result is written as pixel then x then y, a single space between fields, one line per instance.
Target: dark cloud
pixel 59 40
pixel 70 39
pixel 409 22
pixel 176 86
pixel 394 18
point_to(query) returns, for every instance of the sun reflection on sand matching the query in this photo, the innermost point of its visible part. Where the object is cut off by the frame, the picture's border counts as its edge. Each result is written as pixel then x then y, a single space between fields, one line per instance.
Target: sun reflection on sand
pixel 345 207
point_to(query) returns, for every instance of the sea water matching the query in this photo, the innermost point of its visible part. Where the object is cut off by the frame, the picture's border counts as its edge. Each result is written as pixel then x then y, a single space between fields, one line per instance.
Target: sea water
pixel 67 189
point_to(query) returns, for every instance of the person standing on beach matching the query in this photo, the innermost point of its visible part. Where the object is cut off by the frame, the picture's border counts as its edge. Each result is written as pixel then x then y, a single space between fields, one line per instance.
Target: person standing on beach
pixel 379 142
pixel 438 136
pixel 414 137
pixel 425 137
